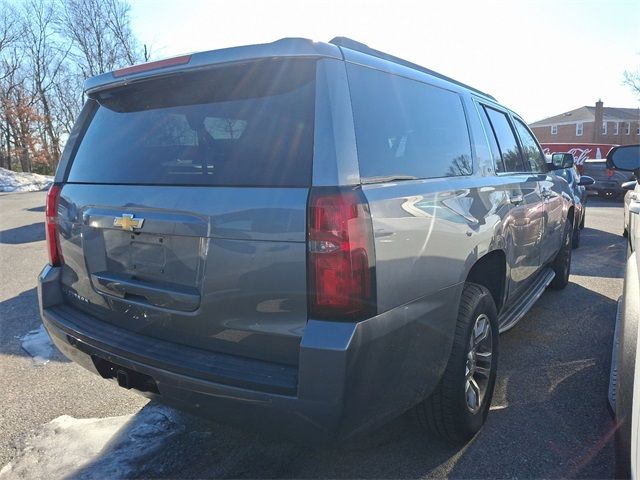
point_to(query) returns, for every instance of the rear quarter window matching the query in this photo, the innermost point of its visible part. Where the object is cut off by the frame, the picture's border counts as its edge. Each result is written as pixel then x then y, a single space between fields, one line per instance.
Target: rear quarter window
pixel 407 129
pixel 241 125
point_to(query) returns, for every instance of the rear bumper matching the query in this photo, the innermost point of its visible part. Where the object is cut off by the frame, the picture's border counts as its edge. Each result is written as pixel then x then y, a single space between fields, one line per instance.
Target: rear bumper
pixel 350 379
pixel 606 186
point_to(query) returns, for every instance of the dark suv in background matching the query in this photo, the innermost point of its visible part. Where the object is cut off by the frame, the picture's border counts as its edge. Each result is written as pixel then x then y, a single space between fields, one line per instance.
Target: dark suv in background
pixel 578 185
pixel 306 237
pixel 608 182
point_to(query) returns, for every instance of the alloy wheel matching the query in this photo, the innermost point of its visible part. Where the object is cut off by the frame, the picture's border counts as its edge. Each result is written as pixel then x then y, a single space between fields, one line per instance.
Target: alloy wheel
pixel 479 363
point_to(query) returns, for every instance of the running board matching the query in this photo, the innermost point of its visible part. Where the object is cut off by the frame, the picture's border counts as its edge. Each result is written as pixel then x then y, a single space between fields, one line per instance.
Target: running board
pixel 613 375
pixel 514 313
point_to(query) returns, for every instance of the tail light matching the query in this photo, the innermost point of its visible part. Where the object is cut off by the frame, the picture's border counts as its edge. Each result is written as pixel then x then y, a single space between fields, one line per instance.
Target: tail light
pixel 51 225
pixel 341 257
pixel 609 172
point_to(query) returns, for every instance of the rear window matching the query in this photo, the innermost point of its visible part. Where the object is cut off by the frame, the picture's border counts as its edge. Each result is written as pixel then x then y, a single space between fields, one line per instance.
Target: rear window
pixel 407 129
pixel 244 125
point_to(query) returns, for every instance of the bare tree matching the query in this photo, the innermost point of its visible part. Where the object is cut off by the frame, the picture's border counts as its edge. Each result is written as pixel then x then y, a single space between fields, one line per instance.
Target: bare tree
pixel 47 49
pixel 100 34
pixel 46 58
pixel 9 64
pixel 9 28
pixel 118 22
pixel 632 80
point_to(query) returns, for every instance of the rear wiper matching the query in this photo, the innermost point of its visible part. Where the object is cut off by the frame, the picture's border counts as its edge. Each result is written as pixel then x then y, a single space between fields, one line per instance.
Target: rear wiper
pixel 387 178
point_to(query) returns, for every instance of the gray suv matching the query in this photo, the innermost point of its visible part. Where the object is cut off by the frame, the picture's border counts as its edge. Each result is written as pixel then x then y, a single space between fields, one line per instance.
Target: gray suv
pixel 309 238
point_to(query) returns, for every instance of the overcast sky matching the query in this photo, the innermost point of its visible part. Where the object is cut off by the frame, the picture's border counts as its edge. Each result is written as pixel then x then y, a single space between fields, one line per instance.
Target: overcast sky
pixel 540 58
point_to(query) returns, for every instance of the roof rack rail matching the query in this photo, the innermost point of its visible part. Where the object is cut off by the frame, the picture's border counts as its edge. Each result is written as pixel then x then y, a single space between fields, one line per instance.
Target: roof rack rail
pixel 361 47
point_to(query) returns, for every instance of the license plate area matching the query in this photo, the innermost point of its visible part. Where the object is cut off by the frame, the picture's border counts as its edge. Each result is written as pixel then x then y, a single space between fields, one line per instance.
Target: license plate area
pixel 126 377
pixel 147 255
pixel 169 247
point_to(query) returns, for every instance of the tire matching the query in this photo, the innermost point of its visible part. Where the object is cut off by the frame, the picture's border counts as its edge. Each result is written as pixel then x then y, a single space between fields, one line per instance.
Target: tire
pixel 446 412
pixel 584 214
pixel 575 238
pixel 562 263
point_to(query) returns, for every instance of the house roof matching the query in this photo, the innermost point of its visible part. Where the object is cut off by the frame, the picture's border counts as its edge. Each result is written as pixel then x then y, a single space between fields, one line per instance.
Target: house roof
pixel 588 114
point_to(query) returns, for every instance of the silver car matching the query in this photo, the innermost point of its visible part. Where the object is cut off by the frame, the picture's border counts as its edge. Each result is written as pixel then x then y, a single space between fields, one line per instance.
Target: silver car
pixel 624 383
pixel 305 237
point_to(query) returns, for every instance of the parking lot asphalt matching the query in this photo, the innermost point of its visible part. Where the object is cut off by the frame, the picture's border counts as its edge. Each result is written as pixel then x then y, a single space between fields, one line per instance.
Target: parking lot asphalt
pixel 548 418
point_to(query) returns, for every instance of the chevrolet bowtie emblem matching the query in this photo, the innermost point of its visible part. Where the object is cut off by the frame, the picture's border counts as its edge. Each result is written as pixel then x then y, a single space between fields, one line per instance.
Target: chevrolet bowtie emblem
pixel 127 222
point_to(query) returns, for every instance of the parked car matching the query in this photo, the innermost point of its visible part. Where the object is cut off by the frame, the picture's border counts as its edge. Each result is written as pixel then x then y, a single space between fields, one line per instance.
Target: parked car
pixel 624 385
pixel 303 237
pixel 608 182
pixel 631 194
pixel 578 185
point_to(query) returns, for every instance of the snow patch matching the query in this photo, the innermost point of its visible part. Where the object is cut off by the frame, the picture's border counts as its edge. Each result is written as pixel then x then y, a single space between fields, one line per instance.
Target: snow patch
pixel 38 344
pixel 11 181
pixel 95 448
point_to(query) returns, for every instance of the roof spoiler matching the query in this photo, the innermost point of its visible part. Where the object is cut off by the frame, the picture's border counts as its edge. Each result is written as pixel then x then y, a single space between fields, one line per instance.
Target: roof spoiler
pixel 283 48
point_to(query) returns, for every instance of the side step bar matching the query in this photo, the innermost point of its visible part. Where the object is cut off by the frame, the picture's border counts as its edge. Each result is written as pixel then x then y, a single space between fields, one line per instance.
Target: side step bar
pixel 613 375
pixel 514 313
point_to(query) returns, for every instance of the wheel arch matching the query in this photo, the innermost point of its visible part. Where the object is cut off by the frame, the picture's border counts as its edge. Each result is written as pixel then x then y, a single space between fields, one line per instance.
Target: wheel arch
pixel 490 271
pixel 571 214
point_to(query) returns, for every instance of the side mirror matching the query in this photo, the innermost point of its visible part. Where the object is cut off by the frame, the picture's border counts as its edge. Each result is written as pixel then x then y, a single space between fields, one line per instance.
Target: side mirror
pixel 561 160
pixel 631 185
pixel 585 181
pixel 625 157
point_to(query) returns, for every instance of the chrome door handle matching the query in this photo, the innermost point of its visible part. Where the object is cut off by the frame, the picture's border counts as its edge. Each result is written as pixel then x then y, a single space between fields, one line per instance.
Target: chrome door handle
pixel 516 199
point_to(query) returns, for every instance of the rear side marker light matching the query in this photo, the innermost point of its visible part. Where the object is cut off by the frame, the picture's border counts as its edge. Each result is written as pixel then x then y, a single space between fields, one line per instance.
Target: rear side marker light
pixel 341 257
pixel 51 226
pixel 146 67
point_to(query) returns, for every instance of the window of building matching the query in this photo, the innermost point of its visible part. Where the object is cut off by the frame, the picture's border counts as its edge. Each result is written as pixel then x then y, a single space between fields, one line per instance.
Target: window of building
pixel 506 141
pixel 530 148
pixel 616 128
pixel 579 129
pixel 604 128
pixel 407 129
pixel 638 131
pixel 554 129
pixel 628 129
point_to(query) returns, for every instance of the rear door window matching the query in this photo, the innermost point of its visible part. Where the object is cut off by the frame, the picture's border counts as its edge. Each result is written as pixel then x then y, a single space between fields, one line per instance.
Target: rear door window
pixel 244 125
pixel 407 129
pixel 532 153
pixel 509 149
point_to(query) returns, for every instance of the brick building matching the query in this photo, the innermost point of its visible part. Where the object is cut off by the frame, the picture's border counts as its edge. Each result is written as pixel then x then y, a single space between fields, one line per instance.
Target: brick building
pixel 619 126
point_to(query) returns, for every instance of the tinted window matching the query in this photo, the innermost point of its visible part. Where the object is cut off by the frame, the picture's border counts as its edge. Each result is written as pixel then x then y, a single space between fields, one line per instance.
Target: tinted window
pixel 506 141
pixel 407 129
pixel 532 153
pixel 249 124
pixel 491 138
